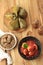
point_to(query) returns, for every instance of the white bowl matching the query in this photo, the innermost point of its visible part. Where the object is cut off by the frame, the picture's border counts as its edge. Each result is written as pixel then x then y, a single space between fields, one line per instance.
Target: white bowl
pixel 2 33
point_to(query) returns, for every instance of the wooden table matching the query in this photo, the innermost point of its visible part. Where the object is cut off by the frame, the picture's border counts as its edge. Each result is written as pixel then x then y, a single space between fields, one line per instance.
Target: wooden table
pixel 34 13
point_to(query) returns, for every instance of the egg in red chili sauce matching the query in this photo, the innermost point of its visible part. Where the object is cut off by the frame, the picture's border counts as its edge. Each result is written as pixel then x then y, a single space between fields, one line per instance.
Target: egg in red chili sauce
pixel 29 48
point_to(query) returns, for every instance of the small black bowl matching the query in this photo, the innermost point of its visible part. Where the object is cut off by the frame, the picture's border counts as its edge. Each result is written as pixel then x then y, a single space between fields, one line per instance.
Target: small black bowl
pixel 27 39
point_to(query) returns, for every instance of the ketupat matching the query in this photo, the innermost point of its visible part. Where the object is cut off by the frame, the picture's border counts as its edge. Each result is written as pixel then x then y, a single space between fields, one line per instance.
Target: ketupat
pixel 16 18
pixel 15 9
pixel 15 24
pixel 22 13
pixel 8 15
pixel 22 23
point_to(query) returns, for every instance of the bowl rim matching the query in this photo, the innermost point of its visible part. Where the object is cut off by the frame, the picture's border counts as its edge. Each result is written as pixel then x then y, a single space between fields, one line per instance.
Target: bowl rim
pixel 14 38
pixel 23 56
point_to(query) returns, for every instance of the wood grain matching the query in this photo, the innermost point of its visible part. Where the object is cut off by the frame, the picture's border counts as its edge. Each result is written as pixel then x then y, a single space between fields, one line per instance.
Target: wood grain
pixel 32 8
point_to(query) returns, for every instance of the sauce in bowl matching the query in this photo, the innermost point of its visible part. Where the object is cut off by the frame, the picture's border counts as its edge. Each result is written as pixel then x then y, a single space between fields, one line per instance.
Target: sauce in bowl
pixel 29 48
pixel 8 41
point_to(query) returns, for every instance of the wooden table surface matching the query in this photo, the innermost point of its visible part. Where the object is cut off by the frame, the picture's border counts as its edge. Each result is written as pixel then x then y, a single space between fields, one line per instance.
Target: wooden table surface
pixel 34 13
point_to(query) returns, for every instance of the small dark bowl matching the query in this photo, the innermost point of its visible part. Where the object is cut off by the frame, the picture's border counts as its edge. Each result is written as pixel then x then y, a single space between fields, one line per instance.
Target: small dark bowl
pixel 27 39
